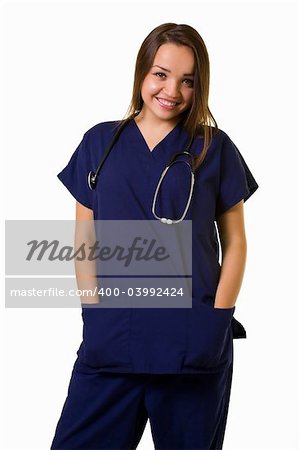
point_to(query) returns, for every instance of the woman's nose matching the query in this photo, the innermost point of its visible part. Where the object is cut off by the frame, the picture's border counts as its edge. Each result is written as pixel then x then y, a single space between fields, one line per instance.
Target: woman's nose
pixel 172 89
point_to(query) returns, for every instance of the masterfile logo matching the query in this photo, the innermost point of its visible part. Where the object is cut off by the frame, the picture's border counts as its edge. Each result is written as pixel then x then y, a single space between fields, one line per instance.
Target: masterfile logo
pixel 123 263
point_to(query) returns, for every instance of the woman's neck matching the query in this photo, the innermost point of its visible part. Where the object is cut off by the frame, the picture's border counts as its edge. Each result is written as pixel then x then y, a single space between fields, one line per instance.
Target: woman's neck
pixel 149 121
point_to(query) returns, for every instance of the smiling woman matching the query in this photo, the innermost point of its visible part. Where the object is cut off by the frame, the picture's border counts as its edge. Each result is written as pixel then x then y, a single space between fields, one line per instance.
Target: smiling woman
pixel 170 88
pixel 133 360
pixel 166 94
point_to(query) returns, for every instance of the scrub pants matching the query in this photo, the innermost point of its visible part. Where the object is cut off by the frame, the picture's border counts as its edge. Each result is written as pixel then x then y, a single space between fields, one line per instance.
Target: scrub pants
pixel 110 410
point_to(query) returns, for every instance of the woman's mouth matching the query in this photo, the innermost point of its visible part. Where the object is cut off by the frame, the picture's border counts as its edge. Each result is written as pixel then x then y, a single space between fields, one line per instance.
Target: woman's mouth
pixel 166 104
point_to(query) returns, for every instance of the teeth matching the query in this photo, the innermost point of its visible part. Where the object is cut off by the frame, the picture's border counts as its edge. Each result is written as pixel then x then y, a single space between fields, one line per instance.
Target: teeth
pixel 166 102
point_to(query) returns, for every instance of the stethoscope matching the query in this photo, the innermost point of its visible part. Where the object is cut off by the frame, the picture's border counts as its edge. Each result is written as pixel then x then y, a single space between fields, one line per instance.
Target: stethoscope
pixel 92 176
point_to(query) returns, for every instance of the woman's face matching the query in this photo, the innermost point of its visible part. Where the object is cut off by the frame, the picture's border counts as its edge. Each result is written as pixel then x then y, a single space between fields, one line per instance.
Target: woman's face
pixel 167 89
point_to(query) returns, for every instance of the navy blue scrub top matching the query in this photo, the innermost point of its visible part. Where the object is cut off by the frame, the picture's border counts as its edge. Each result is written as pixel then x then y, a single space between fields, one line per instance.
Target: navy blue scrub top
pixel 161 340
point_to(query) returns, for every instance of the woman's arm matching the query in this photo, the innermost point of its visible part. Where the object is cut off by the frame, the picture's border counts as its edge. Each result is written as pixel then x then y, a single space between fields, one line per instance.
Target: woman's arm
pixel 232 236
pixel 85 269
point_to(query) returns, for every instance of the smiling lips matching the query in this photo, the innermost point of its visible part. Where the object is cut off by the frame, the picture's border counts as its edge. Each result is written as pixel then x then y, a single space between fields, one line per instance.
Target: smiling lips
pixel 166 103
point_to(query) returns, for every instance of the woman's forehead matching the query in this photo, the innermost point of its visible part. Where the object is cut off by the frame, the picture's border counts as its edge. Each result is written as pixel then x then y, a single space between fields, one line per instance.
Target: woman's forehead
pixel 175 57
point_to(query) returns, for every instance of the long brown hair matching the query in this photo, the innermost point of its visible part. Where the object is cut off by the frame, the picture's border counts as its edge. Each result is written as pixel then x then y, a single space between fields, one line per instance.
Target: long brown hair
pixel 198 119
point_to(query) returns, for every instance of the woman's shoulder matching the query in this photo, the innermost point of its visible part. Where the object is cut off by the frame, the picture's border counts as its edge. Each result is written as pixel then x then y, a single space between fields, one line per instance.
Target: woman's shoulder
pixel 221 139
pixel 219 133
pixel 96 139
pixel 102 127
pixel 214 132
pixel 220 143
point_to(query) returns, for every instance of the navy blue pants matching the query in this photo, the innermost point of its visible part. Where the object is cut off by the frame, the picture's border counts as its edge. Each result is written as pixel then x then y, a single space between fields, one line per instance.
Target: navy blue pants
pixel 110 410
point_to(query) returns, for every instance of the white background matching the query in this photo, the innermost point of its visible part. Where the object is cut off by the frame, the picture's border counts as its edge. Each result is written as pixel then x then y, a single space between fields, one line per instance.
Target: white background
pixel 68 65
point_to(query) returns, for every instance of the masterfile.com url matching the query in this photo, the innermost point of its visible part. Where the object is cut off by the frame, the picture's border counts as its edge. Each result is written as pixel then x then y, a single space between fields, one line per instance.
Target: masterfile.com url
pixel 52 292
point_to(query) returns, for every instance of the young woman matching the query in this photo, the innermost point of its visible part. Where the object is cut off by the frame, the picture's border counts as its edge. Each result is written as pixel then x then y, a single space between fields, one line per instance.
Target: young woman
pixel 172 366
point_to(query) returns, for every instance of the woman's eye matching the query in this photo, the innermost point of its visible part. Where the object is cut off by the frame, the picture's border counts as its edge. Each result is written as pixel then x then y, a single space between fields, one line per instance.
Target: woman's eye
pixel 189 81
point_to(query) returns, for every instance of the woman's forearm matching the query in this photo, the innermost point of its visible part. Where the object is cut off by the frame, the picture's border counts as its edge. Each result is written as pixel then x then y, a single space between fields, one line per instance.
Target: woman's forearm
pixel 231 275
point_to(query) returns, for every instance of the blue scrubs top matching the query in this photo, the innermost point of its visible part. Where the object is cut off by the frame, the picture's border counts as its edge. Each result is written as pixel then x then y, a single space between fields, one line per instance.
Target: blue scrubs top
pixel 161 340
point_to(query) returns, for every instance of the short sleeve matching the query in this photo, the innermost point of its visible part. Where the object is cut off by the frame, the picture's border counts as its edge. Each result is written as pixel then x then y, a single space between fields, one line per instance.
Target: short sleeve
pixel 74 175
pixel 236 181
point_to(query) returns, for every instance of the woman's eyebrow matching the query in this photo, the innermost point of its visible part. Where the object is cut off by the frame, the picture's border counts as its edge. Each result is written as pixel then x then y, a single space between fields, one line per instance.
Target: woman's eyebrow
pixel 167 70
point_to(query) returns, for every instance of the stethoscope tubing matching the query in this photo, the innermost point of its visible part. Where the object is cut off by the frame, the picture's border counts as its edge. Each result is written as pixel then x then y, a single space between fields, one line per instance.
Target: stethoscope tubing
pixel 92 176
pixel 164 219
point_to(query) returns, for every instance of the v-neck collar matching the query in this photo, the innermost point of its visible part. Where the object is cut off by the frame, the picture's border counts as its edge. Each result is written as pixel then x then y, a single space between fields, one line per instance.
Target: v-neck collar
pixel 168 136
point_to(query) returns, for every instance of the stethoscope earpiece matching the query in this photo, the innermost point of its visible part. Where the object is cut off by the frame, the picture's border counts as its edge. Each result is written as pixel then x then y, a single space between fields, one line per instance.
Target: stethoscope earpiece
pixel 91 179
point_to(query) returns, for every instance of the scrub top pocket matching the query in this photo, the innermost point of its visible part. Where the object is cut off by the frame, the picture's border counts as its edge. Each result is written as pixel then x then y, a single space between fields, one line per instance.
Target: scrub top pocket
pixel 105 337
pixel 209 337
